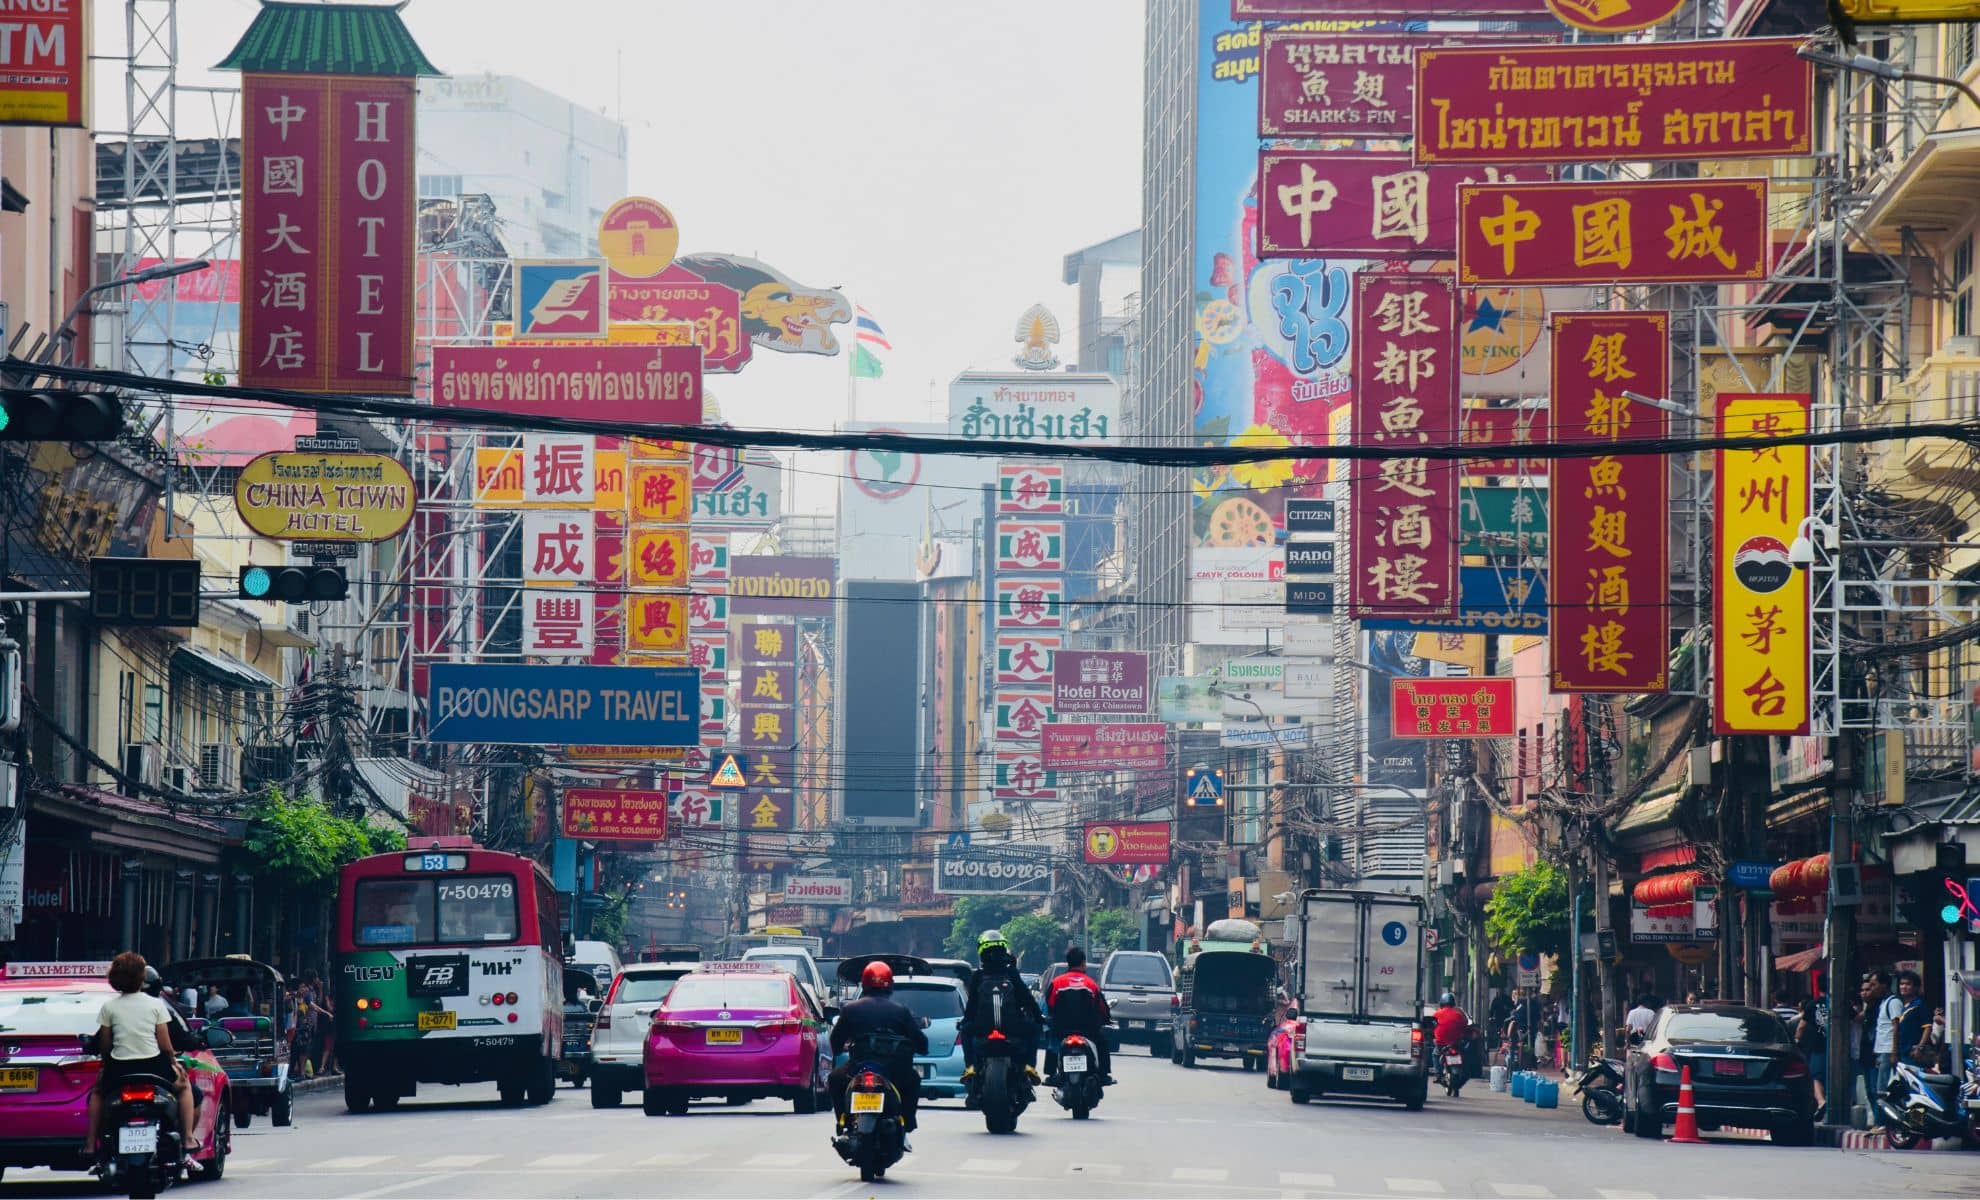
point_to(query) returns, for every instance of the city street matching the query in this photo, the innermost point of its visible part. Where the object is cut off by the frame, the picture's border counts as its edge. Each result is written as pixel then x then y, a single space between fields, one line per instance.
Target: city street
pixel 1163 1132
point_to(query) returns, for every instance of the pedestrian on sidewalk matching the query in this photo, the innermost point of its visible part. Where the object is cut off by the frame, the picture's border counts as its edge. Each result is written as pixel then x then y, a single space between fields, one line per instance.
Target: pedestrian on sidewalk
pixel 1813 1042
pixel 1913 1019
pixel 1886 1010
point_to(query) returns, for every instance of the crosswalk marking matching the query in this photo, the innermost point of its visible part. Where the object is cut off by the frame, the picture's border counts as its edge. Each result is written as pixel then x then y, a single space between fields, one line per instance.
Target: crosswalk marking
pixel 1111 1170
pixel 1530 1191
pixel 1199 1174
pixel 246 1164
pixel 1623 1194
pixel 455 1162
pixel 564 1160
pixel 989 1166
pixel 1305 1179
pixel 1423 1187
pixel 776 1160
pixel 351 1162
pixel 670 1160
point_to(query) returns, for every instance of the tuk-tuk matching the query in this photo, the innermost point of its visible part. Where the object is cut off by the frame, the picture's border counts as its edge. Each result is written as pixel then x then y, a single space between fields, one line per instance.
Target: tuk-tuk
pixel 582 999
pixel 256 1061
pixel 1227 997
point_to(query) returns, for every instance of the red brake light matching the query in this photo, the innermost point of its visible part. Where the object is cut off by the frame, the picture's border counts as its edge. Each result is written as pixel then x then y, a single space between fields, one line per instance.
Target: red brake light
pixel 133 1092
pixel 1175 1003
pixel 869 1080
pixel 1075 1040
pixel 1794 1068
pixel 996 1035
pixel 1664 1062
pixel 1416 1036
pixel 604 1020
pixel 1299 1037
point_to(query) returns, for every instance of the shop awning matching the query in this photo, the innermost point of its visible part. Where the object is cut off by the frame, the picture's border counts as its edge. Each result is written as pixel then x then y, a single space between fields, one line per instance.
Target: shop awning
pixel 1800 960
pixel 221 667
pixel 1652 819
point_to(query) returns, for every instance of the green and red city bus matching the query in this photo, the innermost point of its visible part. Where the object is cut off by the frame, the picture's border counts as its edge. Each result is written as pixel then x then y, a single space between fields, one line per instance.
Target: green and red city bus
pixel 448 969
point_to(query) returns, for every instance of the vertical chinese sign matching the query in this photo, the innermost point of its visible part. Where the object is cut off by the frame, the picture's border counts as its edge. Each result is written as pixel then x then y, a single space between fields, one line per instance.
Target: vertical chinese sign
pixel 1609 573
pixel 1760 622
pixel 766 698
pixel 1030 585
pixel 327 189
pixel 1404 529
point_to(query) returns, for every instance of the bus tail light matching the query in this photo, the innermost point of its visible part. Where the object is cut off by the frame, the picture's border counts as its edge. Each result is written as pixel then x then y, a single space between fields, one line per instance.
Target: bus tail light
pixel 513 998
pixel 512 1016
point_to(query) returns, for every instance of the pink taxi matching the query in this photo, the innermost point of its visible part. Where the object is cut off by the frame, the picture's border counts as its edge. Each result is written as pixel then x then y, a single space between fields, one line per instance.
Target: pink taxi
pixel 739 1030
pixel 47 1016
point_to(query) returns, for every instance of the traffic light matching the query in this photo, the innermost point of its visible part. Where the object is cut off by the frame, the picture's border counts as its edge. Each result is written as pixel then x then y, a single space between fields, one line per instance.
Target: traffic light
pixel 53 416
pixel 144 591
pixel 294 585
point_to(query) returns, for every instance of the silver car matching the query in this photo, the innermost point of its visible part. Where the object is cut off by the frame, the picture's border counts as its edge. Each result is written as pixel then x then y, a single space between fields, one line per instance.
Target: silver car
pixel 1141 992
pixel 618 1040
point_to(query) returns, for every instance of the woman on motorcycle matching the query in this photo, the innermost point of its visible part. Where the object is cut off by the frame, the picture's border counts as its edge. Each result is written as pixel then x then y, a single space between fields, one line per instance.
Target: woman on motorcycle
pixel 134 1033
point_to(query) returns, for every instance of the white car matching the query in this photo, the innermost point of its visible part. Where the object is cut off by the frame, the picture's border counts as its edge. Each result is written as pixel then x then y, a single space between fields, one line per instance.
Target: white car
pixel 796 960
pixel 618 1040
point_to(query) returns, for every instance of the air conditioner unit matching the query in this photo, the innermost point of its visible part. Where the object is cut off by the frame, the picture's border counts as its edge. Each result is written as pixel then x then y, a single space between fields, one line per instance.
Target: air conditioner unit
pixel 176 777
pixel 144 762
pixel 219 766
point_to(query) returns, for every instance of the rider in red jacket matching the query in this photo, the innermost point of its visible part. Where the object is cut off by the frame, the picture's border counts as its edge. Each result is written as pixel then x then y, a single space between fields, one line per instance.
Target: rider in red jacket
pixel 1076 1004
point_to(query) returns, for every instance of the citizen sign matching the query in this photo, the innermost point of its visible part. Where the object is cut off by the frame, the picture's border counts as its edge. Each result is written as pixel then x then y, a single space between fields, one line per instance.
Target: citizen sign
pixel 980 873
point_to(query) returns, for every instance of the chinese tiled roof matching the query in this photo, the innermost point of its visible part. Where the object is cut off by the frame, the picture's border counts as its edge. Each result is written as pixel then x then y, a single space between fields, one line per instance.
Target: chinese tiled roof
pixel 328 39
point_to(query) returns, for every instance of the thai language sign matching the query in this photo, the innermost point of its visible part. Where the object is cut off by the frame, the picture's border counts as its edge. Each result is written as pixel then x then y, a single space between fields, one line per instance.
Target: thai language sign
pixel 1610 558
pixel 993 871
pixel 637 385
pixel 1136 746
pixel 1332 84
pixel 559 705
pixel 1385 10
pixel 1739 98
pixel 1655 231
pixel 324 497
pixel 611 814
pixel 44 63
pixel 1405 555
pixel 1451 708
pixel 327 233
pixel 1760 619
pixel 1127 843
pixel 1035 407
pixel 712 310
pixel 1317 203
pixel 781 585
pixel 1101 681
pixel 818 889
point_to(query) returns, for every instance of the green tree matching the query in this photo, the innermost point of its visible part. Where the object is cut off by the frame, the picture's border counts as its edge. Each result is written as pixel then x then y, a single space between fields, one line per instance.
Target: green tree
pixel 1037 939
pixel 1528 911
pixel 1108 930
pixel 302 842
pixel 974 914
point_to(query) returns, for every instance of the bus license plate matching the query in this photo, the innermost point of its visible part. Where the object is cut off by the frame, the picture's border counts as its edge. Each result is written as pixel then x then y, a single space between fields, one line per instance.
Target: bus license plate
pixel 725 1037
pixel 1358 1074
pixel 869 1102
pixel 137 1139
pixel 19 1079
pixel 435 1020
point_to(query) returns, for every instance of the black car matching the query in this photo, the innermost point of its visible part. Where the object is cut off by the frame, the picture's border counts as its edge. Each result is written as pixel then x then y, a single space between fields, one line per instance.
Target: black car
pixel 1745 1073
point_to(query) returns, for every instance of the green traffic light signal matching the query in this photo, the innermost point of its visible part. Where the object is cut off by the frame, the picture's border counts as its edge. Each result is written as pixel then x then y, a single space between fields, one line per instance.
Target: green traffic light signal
pixel 293 585
pixel 256 582
pixel 1950 914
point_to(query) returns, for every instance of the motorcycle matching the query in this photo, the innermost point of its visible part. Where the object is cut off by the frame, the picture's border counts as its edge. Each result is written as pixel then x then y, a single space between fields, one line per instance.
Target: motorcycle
pixel 1004 1092
pixel 1920 1105
pixel 1600 1086
pixel 1450 1060
pixel 870 1135
pixel 1076 1082
pixel 147 1154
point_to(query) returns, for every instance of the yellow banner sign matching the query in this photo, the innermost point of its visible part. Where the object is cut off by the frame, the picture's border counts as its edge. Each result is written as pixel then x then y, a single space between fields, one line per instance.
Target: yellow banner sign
pixel 632 753
pixel 314 497
pixel 659 556
pixel 498 480
pixel 656 622
pixel 662 493
pixel 1760 619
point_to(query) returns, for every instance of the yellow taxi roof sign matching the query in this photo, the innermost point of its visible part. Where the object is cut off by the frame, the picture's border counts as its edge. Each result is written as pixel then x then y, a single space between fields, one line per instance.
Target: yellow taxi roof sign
pixel 728 773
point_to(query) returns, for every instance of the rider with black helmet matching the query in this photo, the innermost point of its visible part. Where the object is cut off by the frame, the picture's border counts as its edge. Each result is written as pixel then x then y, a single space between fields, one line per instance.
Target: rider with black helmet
pixel 1020 1019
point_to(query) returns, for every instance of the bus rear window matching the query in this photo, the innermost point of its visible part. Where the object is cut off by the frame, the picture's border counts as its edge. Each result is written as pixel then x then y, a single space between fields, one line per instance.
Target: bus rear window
pixel 467 909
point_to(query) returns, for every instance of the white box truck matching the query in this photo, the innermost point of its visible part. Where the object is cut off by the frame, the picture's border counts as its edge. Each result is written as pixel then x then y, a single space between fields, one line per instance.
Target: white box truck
pixel 1360 1026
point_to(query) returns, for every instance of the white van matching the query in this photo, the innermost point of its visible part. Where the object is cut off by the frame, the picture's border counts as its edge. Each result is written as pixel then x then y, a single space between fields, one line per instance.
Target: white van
pixel 598 958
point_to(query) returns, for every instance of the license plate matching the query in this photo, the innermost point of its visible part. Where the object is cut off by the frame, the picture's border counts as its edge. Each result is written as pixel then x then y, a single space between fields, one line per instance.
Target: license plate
pixel 435 1020
pixel 1075 1066
pixel 137 1139
pixel 19 1079
pixel 869 1102
pixel 1137 1024
pixel 1358 1074
pixel 725 1037
pixel 1727 1066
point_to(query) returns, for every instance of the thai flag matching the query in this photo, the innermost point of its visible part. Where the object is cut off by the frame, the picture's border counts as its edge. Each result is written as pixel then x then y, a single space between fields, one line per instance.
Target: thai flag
pixel 870 332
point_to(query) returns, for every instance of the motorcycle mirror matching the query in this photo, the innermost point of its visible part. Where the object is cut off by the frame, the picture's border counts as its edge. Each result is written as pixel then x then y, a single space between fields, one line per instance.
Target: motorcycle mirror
pixel 925 1022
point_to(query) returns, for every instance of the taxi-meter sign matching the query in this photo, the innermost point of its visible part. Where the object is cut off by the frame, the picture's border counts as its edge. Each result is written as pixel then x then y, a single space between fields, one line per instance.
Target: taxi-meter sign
pixel 728 773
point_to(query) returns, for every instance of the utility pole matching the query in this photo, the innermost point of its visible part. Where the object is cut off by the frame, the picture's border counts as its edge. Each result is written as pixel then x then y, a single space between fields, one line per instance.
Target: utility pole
pixel 1842 929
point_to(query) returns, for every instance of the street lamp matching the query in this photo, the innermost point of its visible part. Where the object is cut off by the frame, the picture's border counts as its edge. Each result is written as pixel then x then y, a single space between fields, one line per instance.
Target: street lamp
pixel 1660 405
pixel 65 336
pixel 1864 64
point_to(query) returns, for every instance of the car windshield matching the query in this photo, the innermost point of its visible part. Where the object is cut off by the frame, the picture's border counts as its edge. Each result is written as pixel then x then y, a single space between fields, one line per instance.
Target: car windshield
pixel 1139 970
pixel 942 1003
pixel 428 912
pixel 1732 1025
pixel 794 963
pixel 730 991
pixel 644 989
pixel 61 1012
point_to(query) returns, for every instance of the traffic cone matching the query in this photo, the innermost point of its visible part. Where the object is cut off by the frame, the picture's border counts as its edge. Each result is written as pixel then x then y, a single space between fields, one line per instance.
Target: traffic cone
pixel 1687 1122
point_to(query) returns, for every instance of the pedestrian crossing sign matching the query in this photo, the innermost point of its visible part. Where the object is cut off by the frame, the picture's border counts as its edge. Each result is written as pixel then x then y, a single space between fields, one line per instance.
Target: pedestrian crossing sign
pixel 1206 787
pixel 728 773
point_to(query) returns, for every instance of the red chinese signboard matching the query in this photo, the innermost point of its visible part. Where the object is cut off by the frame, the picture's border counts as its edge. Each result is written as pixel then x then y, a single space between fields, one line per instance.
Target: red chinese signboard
pixel 1123 746
pixel 1330 84
pixel 1739 98
pixel 678 294
pixel 633 384
pixel 609 814
pixel 1496 428
pixel 1127 843
pixel 1385 10
pixel 1656 231
pixel 1101 681
pixel 1609 560
pixel 44 64
pixel 1405 552
pixel 1451 708
pixel 327 233
pixel 1322 202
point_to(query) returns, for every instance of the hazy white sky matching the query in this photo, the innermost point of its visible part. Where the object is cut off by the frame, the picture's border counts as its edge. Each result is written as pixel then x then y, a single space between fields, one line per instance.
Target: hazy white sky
pixel 935 159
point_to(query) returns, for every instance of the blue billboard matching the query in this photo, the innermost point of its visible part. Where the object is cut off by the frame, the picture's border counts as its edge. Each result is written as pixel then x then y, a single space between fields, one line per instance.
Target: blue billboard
pixel 508 703
pixel 1502 600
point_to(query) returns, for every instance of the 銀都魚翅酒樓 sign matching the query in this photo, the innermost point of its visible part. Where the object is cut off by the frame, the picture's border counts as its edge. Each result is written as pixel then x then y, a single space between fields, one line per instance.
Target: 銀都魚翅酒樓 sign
pixel 500 703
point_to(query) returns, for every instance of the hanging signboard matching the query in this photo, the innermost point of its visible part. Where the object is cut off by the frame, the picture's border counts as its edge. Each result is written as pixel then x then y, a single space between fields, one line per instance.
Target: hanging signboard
pixel 1383 10
pixel 1101 681
pixel 1761 634
pixel 324 497
pixel 782 585
pixel 1503 600
pixel 44 69
pixel 1127 843
pixel 1140 746
pixel 1031 603
pixel 637 385
pixel 1031 489
pixel 1026 658
pixel 1329 84
pixel 1650 231
pixel 1323 203
pixel 611 814
pixel 992 871
pixel 1451 708
pixel 1031 546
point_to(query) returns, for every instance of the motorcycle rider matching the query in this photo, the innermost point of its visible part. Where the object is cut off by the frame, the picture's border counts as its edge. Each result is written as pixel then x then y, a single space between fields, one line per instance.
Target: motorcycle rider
pixel 877 1012
pixel 1021 1021
pixel 1453 1028
pixel 1077 1005
pixel 134 1036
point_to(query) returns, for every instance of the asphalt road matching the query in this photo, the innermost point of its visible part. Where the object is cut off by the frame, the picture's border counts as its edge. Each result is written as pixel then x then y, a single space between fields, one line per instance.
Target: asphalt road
pixel 1163 1132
